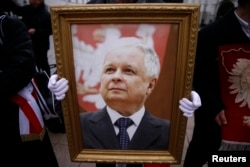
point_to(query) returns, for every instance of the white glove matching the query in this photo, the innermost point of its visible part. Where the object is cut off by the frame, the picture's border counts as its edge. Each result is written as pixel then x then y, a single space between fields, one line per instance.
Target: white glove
pixel 188 107
pixel 58 87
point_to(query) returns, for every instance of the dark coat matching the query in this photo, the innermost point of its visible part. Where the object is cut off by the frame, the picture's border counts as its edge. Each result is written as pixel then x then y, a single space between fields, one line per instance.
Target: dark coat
pixel 17 67
pixel 207 133
pixel 206 75
pixel 38 18
pixel 16 70
pixel 98 132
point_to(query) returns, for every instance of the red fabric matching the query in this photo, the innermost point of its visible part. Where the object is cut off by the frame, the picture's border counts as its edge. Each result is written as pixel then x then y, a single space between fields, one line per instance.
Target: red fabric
pixel 234 130
pixel 35 126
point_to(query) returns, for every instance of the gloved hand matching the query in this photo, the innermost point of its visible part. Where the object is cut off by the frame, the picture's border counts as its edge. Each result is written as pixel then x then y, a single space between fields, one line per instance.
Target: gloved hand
pixel 188 107
pixel 58 87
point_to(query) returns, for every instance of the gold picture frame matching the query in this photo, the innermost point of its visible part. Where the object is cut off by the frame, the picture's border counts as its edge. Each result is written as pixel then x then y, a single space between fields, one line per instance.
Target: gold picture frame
pixel 177 27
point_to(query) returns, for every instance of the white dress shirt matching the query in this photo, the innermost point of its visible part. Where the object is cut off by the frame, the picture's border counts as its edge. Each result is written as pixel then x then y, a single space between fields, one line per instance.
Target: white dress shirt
pixel 136 118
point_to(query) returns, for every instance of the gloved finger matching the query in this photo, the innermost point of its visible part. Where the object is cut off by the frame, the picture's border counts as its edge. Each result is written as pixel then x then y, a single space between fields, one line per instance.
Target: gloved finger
pixel 60 85
pixel 187 104
pixel 60 97
pixel 196 99
pixel 52 80
pixel 186 114
pixel 63 90
pixel 186 110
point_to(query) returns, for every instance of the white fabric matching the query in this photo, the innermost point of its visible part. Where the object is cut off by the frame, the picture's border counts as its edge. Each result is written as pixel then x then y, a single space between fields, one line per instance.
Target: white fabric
pixel 26 93
pixel 136 118
pixel 189 106
pixel 58 87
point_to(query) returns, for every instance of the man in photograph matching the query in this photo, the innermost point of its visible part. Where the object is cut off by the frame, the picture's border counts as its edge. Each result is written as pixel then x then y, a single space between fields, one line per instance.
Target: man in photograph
pixel 129 75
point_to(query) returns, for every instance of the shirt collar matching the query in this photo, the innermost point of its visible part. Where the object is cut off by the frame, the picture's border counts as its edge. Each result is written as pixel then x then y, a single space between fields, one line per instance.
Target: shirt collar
pixel 136 117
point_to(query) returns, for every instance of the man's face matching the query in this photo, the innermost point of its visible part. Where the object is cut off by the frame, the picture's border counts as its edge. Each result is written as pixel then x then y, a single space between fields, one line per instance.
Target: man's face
pixel 124 81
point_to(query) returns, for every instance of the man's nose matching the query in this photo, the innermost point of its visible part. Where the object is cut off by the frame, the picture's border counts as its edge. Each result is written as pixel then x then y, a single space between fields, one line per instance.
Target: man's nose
pixel 117 76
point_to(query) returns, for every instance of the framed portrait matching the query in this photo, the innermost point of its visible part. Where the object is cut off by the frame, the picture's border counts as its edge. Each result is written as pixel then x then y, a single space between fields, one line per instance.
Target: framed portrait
pixel 82 35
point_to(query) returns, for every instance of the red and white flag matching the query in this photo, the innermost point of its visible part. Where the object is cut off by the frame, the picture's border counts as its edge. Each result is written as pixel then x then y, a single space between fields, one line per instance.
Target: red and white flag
pixel 30 116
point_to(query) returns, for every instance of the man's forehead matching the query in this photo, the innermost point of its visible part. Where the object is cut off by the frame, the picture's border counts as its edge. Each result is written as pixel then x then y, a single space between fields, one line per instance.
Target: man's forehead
pixel 134 62
pixel 123 42
pixel 125 52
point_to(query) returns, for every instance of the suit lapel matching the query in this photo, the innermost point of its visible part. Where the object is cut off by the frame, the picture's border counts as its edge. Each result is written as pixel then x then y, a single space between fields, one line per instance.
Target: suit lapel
pixel 146 133
pixel 104 131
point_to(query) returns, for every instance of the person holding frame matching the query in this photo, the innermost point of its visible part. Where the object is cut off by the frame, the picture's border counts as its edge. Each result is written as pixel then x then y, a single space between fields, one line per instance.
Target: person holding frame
pixel 129 74
pixel 220 78
pixel 24 137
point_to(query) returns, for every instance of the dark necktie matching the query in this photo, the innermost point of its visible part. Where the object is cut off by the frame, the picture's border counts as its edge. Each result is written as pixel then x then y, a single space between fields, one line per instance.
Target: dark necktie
pixel 123 124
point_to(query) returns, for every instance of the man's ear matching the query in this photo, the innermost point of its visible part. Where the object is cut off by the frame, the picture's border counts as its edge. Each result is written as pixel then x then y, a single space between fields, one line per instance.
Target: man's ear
pixel 151 85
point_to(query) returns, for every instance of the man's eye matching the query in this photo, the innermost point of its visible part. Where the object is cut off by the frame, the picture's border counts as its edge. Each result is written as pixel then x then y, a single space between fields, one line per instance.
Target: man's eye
pixel 109 70
pixel 129 71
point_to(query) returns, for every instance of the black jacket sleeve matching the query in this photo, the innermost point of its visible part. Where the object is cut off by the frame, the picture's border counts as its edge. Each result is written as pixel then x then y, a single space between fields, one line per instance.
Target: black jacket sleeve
pixel 17 65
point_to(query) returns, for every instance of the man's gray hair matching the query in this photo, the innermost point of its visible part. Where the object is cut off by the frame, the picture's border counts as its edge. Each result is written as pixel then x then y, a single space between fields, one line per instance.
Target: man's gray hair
pixel 151 60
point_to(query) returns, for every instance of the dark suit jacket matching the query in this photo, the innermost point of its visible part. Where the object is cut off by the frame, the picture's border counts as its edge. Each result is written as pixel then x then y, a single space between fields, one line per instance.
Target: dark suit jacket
pixel 98 132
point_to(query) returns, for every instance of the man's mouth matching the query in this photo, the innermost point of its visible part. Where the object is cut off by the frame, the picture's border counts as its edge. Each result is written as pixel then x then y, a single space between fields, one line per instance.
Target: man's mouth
pixel 116 89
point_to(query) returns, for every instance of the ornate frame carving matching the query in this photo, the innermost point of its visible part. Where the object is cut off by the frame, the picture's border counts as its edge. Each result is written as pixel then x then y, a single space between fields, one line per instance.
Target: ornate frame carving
pixel 181 61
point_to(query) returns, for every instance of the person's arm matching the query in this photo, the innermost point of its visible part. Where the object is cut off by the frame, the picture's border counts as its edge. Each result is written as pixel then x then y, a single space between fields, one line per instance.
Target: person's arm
pixel 206 73
pixel 17 61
